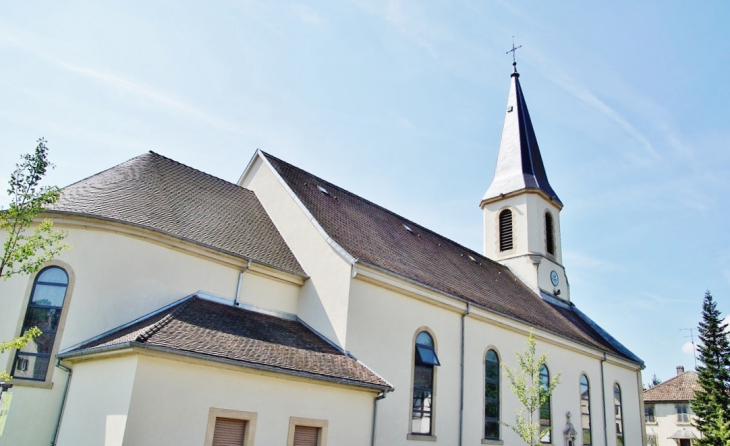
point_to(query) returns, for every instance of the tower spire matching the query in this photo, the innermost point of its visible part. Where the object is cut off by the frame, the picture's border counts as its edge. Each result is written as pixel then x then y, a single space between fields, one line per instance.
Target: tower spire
pixel 519 163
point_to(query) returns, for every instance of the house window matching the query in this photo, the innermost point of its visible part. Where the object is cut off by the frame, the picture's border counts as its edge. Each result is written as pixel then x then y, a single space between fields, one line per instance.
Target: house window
pixel 44 311
pixel 549 234
pixel 619 415
pixel 505 230
pixel 649 413
pixel 491 396
pixel 423 371
pixel 585 410
pixel 230 428
pixel 682 413
pixel 307 432
pixel 229 432
pixel 545 416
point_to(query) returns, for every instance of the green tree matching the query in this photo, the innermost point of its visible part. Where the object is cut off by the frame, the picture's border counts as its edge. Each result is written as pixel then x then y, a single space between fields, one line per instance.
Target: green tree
pixel 524 381
pixel 654 381
pixel 712 402
pixel 24 251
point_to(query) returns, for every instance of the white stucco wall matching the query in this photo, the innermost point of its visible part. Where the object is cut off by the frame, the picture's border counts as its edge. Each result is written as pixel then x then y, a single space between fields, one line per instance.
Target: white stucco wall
pixel 381 331
pixel 98 401
pixel 323 300
pixel 170 403
pixel 117 278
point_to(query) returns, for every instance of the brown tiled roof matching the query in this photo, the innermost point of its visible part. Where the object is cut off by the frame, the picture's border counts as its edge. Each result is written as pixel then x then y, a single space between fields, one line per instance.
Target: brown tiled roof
pixel 157 193
pixel 680 388
pixel 219 331
pixel 376 236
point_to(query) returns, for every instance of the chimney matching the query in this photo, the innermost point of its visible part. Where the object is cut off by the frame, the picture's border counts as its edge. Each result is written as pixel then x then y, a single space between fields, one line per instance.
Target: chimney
pixel 680 369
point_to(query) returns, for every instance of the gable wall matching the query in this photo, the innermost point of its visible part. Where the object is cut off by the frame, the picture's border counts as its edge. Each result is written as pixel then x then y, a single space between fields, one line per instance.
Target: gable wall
pixel 323 300
pixel 382 326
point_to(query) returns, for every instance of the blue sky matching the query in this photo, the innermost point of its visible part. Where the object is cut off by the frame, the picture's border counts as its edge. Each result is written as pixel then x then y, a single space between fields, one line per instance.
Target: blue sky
pixel 402 102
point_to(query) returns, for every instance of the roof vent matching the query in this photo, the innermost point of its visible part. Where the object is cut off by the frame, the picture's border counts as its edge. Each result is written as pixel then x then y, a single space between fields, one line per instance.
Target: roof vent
pixel 323 190
pixel 472 259
pixel 408 228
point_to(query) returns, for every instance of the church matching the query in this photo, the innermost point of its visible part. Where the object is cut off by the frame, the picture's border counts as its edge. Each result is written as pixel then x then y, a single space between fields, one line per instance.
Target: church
pixel 285 310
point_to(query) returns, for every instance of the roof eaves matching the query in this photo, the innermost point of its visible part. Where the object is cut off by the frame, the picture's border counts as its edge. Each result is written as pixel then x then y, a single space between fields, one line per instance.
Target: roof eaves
pixel 610 339
pixel 218 359
pixel 301 274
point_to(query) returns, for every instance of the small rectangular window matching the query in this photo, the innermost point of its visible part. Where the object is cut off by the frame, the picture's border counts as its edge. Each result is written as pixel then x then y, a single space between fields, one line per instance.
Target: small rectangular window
pixel 307 432
pixel 649 413
pixel 306 436
pixel 230 428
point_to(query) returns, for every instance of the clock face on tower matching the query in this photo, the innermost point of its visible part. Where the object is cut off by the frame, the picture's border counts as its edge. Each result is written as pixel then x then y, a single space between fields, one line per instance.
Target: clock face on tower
pixel 554 278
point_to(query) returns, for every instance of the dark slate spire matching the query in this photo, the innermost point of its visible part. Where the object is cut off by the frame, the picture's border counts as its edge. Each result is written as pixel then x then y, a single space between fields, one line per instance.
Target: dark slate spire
pixel 519 164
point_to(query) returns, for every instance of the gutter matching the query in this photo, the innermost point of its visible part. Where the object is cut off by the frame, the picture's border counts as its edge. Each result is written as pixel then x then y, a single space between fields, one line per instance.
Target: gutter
pixel 244 364
pixel 461 379
pixel 63 401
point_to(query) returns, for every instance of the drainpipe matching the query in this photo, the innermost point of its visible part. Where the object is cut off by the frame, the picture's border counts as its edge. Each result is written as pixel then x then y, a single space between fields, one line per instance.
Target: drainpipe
pixel 63 400
pixel 240 279
pixel 461 381
pixel 640 388
pixel 603 395
pixel 375 415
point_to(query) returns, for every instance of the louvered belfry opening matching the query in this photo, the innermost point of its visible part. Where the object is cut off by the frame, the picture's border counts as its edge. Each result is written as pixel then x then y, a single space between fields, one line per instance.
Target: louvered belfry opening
pixel 505 230
pixel 229 432
pixel 549 234
pixel 306 436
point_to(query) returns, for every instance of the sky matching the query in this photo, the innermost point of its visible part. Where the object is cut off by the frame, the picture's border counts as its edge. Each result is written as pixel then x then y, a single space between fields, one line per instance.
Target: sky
pixel 402 102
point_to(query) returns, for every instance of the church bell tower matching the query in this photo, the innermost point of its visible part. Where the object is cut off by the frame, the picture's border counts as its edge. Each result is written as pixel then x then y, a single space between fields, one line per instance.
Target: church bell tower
pixel 521 210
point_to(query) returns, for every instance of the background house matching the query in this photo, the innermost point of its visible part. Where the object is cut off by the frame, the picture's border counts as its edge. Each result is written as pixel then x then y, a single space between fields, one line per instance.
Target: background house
pixel 668 413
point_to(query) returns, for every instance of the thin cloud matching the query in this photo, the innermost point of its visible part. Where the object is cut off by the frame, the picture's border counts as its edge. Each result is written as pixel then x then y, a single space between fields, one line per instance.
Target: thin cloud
pixel 307 14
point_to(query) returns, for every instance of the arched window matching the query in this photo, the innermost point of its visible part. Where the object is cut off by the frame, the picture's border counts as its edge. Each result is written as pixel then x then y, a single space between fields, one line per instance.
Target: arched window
pixel 44 311
pixel 491 396
pixel 545 415
pixel 585 410
pixel 549 234
pixel 425 360
pixel 619 415
pixel 505 230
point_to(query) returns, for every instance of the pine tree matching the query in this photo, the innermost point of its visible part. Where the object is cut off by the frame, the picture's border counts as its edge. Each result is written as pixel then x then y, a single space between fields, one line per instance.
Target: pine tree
pixel 712 403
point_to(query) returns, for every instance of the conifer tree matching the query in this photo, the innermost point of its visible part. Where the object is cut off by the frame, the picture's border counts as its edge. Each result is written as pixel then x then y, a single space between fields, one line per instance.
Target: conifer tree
pixel 712 403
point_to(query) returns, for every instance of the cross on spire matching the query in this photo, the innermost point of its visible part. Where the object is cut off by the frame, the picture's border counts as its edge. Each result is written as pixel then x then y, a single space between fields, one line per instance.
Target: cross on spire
pixel 513 50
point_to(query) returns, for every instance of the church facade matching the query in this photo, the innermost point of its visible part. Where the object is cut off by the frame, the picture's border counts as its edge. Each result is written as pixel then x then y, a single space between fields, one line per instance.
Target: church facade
pixel 285 310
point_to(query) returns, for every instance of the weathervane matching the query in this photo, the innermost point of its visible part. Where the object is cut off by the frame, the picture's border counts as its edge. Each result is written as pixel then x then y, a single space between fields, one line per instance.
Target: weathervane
pixel 513 50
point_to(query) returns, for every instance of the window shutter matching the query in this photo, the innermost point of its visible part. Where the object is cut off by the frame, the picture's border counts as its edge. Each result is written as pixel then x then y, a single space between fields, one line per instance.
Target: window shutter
pixel 306 436
pixel 229 432
pixel 505 230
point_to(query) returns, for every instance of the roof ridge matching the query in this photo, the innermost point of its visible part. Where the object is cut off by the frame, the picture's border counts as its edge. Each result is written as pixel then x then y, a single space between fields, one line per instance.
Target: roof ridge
pixel 430 231
pixel 164 321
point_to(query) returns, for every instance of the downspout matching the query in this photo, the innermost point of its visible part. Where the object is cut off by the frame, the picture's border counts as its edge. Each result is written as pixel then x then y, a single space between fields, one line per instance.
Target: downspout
pixel 240 279
pixel 375 415
pixel 640 388
pixel 63 401
pixel 603 395
pixel 461 381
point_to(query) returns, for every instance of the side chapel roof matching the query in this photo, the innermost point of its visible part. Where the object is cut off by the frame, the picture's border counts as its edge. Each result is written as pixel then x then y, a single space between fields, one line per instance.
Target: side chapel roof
pixel 217 331
pixel 680 388
pixel 157 193
pixel 519 163
pixel 378 237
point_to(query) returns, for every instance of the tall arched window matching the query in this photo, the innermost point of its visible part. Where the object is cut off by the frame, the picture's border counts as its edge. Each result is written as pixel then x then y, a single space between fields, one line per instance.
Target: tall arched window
pixel 545 415
pixel 44 311
pixel 619 415
pixel 549 233
pixel 491 396
pixel 585 410
pixel 505 230
pixel 423 371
